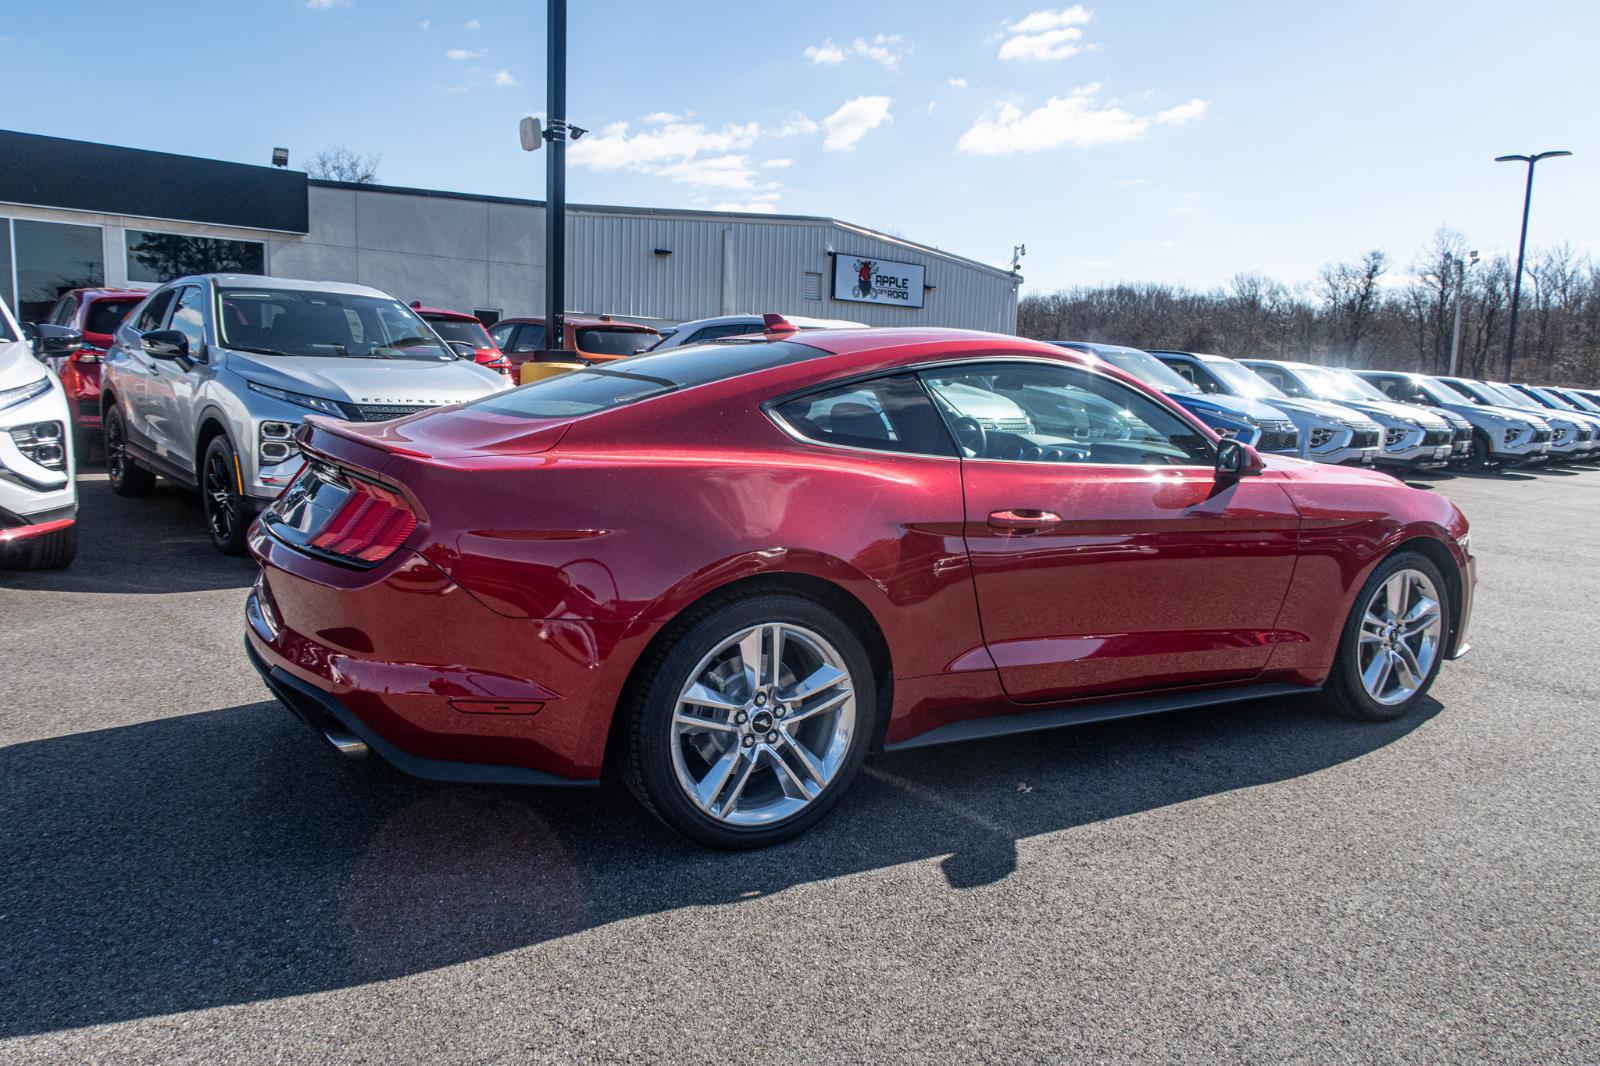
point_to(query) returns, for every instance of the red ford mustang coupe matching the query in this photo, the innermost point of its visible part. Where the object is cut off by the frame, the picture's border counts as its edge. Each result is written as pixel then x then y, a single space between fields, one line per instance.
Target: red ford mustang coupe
pixel 732 570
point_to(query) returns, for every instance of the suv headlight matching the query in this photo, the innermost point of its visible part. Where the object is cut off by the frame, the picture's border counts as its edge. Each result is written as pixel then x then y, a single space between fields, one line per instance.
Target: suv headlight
pixel 1321 436
pixel 276 442
pixel 1513 432
pixel 300 399
pixel 23 393
pixel 42 443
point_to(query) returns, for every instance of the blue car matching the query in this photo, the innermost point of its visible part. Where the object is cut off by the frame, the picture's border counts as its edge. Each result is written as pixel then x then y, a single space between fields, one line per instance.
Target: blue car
pixel 1260 425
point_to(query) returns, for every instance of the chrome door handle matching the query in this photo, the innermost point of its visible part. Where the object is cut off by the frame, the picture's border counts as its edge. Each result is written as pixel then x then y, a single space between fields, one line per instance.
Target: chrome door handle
pixel 1023 520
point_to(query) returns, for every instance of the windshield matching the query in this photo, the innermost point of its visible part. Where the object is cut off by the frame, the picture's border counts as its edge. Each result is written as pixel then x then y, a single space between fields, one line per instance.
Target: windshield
pixel 466 330
pixel 1505 394
pixel 333 325
pixel 604 341
pixel 1439 392
pixel 1360 387
pixel 1582 403
pixel 1242 381
pixel 1333 384
pixel 106 315
pixel 1148 369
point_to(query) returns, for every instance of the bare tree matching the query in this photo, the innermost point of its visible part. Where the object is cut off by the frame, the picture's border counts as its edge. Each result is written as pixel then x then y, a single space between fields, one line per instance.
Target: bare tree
pixel 1350 295
pixel 339 163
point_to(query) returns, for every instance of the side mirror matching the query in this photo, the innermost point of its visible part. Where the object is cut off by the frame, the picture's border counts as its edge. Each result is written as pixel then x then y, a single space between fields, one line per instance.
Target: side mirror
pixel 463 350
pixel 166 344
pixel 1236 460
pixel 55 340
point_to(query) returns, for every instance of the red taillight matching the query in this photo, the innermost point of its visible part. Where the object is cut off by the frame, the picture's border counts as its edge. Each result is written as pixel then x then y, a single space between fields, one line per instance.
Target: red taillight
pixel 88 353
pixel 370 525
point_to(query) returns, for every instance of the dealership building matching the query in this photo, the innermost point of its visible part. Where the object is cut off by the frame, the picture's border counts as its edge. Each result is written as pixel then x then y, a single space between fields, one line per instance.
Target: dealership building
pixel 76 214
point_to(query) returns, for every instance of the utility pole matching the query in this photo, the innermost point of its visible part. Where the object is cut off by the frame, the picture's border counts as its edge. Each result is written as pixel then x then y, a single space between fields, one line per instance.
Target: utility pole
pixel 1461 295
pixel 1522 247
pixel 555 177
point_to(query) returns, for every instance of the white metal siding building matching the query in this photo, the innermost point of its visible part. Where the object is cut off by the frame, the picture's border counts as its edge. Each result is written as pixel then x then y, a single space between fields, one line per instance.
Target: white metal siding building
pixel 74 213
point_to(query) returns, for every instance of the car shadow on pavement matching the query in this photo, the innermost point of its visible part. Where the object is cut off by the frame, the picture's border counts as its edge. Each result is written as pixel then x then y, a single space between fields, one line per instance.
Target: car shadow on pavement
pixel 226 857
pixel 174 552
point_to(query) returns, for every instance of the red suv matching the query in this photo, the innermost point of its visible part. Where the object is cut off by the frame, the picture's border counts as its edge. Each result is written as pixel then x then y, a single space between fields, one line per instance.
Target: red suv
pixel 463 328
pixel 595 340
pixel 95 313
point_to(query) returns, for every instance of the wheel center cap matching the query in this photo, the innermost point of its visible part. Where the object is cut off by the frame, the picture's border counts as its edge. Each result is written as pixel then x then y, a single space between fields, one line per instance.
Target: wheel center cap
pixel 761 722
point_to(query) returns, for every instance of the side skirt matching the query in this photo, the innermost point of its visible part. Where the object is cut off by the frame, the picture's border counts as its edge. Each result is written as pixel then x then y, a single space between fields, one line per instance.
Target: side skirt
pixel 1079 714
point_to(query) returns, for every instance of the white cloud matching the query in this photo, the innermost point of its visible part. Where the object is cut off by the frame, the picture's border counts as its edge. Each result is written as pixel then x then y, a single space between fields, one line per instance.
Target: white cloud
pixel 614 148
pixel 1077 120
pixel 1169 245
pixel 796 123
pixel 425 25
pixel 466 53
pixel 854 120
pixel 472 24
pixel 777 164
pixel 1192 111
pixel 326 5
pixel 882 49
pixel 931 105
pixel 661 118
pixel 826 53
pixel 1045 36
pixel 956 83
pixel 504 80
pixel 716 172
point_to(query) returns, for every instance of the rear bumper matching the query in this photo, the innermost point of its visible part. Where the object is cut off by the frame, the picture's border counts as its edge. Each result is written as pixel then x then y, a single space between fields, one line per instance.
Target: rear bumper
pixel 410 664
pixel 351 736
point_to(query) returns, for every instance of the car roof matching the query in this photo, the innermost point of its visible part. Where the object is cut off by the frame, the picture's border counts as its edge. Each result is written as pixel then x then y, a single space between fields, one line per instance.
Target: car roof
pixel 1095 346
pixel 107 293
pixel 577 321
pixel 803 321
pixel 444 312
pixel 261 281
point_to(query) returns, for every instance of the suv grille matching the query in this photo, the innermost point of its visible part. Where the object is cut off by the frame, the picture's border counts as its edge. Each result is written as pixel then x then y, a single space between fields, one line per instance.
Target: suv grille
pixel 1279 437
pixel 1540 436
pixel 1439 436
pixel 379 412
pixel 1462 433
pixel 1364 438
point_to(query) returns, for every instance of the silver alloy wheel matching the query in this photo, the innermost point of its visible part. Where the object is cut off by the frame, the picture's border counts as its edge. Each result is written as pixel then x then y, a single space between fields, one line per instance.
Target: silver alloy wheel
pixel 1400 631
pixel 763 724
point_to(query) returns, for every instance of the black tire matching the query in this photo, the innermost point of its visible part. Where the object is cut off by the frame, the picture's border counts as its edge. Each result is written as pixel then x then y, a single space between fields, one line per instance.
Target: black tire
pixel 1344 691
pixel 127 477
pixel 51 551
pixel 1480 456
pixel 648 762
pixel 227 516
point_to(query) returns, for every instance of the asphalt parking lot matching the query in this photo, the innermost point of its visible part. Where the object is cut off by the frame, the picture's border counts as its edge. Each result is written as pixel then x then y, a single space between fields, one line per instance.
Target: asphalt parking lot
pixel 187 874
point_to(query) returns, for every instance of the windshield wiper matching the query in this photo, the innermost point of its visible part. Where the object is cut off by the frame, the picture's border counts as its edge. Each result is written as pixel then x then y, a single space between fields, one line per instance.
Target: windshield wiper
pixel 254 351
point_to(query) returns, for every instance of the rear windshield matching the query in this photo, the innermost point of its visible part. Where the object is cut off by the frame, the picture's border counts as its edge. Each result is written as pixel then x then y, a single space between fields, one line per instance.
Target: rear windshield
pixel 585 392
pixel 106 315
pixel 467 331
pixel 601 340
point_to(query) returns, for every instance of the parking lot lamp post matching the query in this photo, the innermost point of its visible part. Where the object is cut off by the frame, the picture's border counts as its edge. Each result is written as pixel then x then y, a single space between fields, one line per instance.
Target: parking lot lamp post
pixel 1461 297
pixel 555 177
pixel 1522 246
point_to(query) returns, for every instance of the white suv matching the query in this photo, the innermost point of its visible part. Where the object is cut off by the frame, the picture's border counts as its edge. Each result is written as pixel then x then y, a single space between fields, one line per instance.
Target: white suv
pixel 38 498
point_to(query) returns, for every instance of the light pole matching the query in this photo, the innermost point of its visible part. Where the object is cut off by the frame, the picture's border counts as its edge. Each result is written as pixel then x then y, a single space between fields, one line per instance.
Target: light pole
pixel 1461 293
pixel 1522 246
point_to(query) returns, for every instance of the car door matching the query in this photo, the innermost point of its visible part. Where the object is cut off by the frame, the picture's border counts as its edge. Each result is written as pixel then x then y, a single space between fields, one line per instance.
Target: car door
pixel 132 368
pixel 1107 555
pixel 170 389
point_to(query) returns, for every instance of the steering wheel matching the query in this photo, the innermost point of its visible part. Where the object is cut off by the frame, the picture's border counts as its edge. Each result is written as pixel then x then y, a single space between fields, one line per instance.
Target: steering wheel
pixel 970 435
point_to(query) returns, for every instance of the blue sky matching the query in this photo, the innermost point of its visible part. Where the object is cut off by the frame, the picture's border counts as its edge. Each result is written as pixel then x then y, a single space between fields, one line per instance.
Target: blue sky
pixel 1161 141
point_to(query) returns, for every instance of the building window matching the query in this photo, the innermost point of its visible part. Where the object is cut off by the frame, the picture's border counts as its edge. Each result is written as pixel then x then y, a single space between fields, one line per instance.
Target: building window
pixel 813 286
pixel 52 257
pixel 160 257
pixel 8 292
pixel 488 316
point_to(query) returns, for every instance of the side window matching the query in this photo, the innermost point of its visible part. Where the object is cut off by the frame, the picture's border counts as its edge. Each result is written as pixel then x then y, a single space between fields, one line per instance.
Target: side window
pixel 1277 377
pixel 1031 412
pixel 1183 370
pixel 1390 387
pixel 62 313
pixel 530 338
pixel 189 317
pixel 155 312
pixel 501 333
pixel 890 414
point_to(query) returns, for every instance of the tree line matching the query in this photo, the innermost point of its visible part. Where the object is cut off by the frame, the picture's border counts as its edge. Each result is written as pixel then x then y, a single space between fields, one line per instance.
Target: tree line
pixel 1363 313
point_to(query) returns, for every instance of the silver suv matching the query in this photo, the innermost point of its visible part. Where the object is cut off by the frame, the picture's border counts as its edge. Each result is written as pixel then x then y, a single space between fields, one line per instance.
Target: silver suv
pixel 209 377
pixel 1501 436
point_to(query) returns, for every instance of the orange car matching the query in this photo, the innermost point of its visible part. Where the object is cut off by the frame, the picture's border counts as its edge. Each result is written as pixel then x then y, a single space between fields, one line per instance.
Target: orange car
pixel 588 340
